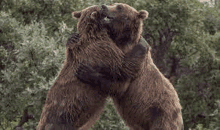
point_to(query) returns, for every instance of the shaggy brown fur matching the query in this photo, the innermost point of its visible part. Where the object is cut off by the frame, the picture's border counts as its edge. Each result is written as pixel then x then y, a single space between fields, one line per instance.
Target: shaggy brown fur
pixel 149 101
pixel 72 104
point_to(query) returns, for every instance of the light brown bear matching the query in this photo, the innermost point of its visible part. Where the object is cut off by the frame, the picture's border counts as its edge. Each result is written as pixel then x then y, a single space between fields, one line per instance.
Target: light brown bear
pixel 149 101
pixel 72 104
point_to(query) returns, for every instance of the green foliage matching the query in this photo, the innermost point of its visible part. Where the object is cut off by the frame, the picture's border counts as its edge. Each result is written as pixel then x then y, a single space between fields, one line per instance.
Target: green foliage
pixel 198 83
pixel 184 35
pixel 30 68
pixel 50 12
pixel 7 30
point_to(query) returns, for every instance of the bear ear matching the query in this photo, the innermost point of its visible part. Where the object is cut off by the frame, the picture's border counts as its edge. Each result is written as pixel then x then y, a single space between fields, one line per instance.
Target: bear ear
pixel 143 14
pixel 76 14
pixel 94 15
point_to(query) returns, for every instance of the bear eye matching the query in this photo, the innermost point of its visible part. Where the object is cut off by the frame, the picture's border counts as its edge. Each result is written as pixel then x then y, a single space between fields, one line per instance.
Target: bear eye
pixel 119 7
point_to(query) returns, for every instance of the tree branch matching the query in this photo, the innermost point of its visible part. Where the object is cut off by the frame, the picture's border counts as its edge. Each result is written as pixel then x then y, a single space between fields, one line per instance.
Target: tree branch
pixel 25 117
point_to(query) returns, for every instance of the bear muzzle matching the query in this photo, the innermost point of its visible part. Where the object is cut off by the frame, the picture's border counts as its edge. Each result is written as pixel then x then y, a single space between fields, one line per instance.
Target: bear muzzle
pixel 105 12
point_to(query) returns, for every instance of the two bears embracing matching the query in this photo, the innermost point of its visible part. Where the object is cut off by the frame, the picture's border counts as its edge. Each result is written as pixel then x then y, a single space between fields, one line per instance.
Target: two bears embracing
pixel 110 58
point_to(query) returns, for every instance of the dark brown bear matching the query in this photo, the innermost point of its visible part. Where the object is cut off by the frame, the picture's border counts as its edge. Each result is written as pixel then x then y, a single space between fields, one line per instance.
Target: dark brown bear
pixel 149 101
pixel 72 104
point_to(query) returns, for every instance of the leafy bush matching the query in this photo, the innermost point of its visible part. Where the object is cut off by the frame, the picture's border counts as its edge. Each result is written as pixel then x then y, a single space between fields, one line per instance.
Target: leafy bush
pixel 30 69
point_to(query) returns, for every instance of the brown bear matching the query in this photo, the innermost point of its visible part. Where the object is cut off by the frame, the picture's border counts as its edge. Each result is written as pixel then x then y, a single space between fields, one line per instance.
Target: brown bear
pixel 148 101
pixel 72 104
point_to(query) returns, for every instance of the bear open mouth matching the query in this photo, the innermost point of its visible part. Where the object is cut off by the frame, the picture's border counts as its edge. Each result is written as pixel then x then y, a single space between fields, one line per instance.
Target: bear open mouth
pixel 105 12
pixel 108 19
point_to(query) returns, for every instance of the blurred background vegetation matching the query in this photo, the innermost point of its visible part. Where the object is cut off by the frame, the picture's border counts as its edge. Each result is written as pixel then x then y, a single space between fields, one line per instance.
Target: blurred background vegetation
pixel 184 35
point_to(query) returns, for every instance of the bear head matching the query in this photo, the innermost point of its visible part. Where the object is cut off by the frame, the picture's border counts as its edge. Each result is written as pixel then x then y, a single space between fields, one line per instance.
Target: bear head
pixel 124 23
pixel 90 20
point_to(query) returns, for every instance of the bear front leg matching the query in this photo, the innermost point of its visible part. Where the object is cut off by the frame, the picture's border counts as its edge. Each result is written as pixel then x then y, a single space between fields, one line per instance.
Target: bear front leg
pixel 103 75
pixel 73 39
pixel 134 59
pixel 94 77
